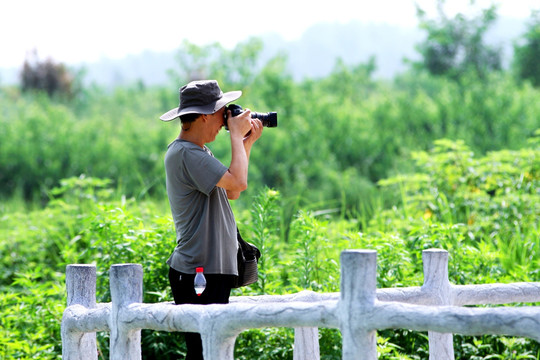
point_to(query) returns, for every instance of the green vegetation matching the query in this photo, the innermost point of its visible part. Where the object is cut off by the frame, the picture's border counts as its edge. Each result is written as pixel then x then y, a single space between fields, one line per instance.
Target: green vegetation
pixel 447 159
pixel 483 210
pixel 456 46
pixel 527 51
pixel 338 135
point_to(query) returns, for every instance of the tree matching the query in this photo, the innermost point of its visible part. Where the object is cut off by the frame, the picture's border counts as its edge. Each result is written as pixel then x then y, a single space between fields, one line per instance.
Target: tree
pixel 526 63
pixel 48 76
pixel 234 68
pixel 455 46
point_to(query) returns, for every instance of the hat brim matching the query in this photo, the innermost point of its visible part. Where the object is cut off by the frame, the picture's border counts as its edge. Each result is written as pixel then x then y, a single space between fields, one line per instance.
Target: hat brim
pixel 205 109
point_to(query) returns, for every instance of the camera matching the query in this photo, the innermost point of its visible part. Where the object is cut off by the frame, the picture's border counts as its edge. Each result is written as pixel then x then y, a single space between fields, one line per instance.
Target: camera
pixel 268 120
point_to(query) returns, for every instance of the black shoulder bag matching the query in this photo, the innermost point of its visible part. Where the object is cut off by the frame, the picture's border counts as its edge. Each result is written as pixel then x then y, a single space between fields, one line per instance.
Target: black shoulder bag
pixel 248 256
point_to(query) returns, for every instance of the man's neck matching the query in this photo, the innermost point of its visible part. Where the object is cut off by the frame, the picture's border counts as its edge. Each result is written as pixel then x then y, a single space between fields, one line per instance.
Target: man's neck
pixel 192 137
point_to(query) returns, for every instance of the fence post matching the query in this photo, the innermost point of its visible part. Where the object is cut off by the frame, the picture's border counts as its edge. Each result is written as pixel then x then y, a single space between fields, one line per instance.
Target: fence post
pixel 358 294
pixel 441 346
pixel 126 288
pixel 81 290
pixel 306 343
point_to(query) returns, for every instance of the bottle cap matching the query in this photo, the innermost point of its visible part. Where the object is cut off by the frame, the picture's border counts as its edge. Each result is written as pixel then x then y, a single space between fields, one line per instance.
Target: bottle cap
pixel 199 269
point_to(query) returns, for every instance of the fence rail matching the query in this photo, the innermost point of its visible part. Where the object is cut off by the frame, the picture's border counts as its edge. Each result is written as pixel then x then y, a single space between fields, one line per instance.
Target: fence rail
pixel 358 311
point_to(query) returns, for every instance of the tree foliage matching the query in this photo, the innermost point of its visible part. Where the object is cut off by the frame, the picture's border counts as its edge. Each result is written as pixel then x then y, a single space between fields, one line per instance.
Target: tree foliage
pixel 456 46
pixel 527 53
pixel 235 67
pixel 337 134
pixel 48 76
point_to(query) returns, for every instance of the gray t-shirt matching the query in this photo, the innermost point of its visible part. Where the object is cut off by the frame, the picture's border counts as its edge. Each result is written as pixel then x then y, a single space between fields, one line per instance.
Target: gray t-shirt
pixel 203 218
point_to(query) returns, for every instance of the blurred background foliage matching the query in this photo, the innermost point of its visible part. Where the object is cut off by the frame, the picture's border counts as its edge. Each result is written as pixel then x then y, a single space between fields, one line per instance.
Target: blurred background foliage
pixel 443 155
pixel 338 134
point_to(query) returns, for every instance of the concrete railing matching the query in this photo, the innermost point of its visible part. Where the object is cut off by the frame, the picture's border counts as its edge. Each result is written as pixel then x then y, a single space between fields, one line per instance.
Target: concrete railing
pixel 358 311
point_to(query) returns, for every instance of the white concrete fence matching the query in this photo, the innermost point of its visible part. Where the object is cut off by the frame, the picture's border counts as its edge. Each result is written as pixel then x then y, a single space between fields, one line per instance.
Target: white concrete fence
pixel 358 311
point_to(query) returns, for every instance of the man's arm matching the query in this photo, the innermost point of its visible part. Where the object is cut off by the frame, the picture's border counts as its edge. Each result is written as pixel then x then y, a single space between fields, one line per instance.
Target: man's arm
pixel 235 178
pixel 234 181
pixel 256 131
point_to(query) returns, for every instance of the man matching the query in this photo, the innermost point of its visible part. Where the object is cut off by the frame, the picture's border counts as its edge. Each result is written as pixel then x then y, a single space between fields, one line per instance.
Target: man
pixel 198 187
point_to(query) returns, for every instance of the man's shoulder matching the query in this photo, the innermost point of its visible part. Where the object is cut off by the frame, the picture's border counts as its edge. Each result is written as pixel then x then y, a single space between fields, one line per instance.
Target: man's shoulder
pixel 179 146
pixel 181 151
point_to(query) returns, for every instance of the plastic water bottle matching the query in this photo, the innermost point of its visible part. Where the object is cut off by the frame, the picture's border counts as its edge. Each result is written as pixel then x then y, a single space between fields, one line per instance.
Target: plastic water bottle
pixel 200 281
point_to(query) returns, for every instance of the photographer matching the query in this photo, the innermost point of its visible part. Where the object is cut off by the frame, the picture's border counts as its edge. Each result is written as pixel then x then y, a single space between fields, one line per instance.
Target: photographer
pixel 198 187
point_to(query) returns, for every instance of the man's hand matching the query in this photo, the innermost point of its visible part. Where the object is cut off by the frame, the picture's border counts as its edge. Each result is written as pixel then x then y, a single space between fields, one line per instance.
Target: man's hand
pixel 240 124
pixel 254 134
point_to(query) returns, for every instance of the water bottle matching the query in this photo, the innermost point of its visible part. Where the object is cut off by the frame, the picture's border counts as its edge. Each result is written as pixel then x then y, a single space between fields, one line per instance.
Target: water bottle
pixel 200 281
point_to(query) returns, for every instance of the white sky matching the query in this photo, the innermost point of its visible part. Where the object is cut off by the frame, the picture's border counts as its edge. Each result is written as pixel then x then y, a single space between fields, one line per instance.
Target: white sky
pixel 74 31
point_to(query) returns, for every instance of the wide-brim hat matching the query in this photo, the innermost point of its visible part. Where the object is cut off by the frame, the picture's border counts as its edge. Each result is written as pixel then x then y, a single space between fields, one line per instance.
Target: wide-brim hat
pixel 201 97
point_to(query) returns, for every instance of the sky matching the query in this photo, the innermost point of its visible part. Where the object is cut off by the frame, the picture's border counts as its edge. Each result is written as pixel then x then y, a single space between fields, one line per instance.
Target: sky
pixel 74 31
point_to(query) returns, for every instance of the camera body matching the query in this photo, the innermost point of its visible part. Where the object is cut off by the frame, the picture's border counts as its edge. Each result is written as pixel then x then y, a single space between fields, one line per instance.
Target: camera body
pixel 268 119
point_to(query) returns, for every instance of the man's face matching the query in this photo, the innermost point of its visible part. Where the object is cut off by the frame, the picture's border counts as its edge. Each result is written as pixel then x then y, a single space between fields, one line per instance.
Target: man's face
pixel 215 122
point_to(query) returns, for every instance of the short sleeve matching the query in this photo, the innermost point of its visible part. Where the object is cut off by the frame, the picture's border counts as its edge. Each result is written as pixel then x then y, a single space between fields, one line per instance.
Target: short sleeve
pixel 204 170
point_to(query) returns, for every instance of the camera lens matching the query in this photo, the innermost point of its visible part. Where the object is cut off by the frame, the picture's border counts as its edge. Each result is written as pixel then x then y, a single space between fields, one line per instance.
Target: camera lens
pixel 268 120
